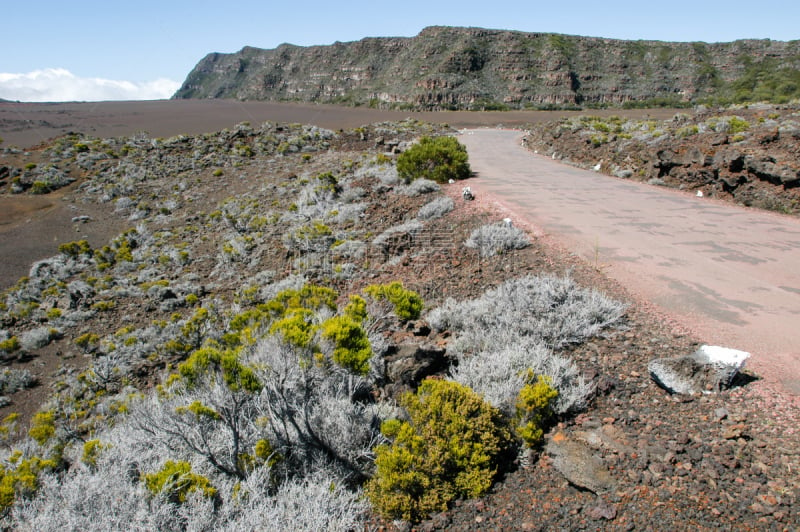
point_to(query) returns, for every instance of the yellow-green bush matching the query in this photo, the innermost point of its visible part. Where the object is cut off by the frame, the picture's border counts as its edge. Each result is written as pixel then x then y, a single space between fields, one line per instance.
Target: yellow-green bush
pixel 437 158
pixel 226 363
pixel 352 349
pixel 177 481
pixel 43 427
pixel 22 480
pixel 297 328
pixel 534 409
pixel 75 249
pixel 407 303
pixel 86 340
pixel 91 450
pixel 199 410
pixel 309 297
pixel 738 125
pixel 9 345
pixel 263 454
pixel 450 448
pixel 103 306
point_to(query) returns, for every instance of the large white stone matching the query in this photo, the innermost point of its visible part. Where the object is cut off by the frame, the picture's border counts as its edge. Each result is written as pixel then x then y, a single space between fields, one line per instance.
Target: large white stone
pixel 715 354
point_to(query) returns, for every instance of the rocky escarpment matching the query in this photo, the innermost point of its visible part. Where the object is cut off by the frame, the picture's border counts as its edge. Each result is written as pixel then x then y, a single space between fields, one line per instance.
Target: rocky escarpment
pixel 748 155
pixel 473 68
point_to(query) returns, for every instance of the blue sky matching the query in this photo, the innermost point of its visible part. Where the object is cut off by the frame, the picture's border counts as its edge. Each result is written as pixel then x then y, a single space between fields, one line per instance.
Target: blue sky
pixel 90 50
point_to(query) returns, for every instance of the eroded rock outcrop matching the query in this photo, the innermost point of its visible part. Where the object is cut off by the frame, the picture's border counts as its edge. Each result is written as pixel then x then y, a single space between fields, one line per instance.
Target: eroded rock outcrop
pixel 474 68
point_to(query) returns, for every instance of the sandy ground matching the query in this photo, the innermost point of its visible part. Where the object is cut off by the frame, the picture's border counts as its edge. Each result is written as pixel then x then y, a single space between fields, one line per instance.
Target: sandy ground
pixel 27 124
pixel 728 274
pixel 32 227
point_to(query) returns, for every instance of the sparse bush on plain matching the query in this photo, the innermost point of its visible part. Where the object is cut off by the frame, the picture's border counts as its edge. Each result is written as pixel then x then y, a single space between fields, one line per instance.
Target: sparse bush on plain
pixel 496 239
pixel 437 158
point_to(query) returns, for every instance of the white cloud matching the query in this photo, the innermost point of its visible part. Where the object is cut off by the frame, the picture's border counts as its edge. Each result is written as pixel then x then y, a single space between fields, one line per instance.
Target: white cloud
pixel 60 85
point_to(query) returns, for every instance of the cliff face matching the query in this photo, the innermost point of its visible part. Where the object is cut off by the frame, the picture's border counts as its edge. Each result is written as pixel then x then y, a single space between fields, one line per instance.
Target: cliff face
pixel 470 68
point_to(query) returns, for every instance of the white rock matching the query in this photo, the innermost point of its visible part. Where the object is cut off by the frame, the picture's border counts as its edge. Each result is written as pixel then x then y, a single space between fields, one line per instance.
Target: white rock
pixel 715 354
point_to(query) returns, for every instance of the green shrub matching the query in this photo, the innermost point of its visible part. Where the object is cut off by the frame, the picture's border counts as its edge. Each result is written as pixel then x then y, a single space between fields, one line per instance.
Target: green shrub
pixel 438 158
pixel 296 328
pixel 75 249
pixel 21 481
pixel 310 296
pixel 237 376
pixel 91 449
pixel 407 303
pixel 687 131
pixel 40 187
pixel 9 345
pixel 450 448
pixel 352 349
pixel 86 340
pixel 177 481
pixel 534 409
pixel 43 427
pixel 103 306
pixel 738 125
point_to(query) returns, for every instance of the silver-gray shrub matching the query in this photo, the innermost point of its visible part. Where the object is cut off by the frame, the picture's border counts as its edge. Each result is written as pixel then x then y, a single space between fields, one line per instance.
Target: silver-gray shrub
pixel 436 208
pixel 168 424
pixel 515 327
pixel 548 309
pixel 313 420
pixel 37 338
pixel 500 374
pixel 419 187
pixel 385 173
pixel 350 249
pixel 12 380
pixel 316 502
pixel 495 239
pixel 409 229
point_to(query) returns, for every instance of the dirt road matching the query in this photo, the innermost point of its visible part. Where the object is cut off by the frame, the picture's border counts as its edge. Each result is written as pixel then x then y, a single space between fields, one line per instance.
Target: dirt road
pixel 730 275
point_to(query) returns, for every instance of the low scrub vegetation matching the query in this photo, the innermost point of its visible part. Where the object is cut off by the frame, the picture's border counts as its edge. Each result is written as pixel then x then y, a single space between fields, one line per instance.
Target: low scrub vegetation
pixel 495 239
pixel 437 158
pixel 450 447
pixel 236 367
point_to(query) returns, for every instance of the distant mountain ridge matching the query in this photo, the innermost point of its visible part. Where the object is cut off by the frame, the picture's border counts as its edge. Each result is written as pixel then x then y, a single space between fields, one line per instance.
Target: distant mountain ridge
pixel 475 68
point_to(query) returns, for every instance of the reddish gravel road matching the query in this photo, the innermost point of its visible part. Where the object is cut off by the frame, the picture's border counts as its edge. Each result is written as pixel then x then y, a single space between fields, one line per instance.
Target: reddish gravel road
pixel 730 275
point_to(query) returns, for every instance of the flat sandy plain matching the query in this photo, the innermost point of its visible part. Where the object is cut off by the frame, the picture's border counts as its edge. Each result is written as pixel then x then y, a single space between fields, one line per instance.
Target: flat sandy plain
pixel 31 227
pixel 28 124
